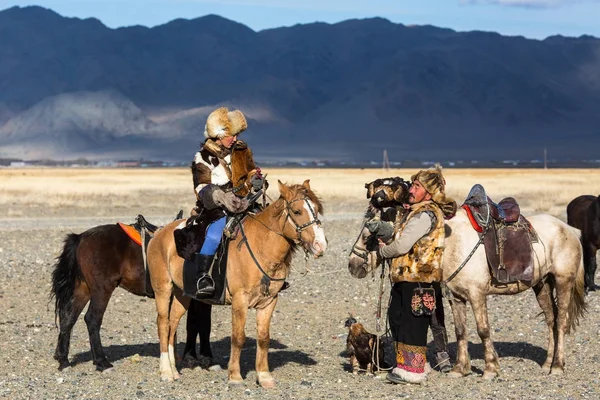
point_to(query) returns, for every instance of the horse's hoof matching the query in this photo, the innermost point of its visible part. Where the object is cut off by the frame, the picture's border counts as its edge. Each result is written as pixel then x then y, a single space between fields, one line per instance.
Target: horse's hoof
pixel 267 384
pixel 454 374
pixel 546 368
pixel 103 365
pixel 489 375
pixel 557 371
pixel 107 370
pixel 235 382
pixel 62 365
pixel 166 378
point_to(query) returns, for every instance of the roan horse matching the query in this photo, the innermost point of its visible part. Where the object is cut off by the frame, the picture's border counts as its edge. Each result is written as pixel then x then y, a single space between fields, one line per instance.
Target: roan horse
pixel 557 283
pixel 91 266
pixel 258 261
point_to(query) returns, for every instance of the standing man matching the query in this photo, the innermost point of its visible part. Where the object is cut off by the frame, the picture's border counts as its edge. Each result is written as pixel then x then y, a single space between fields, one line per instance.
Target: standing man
pixel 416 254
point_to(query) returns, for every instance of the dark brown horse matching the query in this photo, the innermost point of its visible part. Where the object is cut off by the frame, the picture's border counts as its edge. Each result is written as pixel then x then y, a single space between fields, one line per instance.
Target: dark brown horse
pixel 584 214
pixel 90 267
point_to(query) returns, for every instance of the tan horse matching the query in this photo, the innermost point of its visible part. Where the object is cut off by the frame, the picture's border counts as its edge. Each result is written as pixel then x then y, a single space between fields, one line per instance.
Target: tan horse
pixel 272 236
pixel 558 285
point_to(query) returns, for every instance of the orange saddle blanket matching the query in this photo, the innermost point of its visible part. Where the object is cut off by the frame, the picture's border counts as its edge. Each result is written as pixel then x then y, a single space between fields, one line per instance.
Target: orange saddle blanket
pixel 131 232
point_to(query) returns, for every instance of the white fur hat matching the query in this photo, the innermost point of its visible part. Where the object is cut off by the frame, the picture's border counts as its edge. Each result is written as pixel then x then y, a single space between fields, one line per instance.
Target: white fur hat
pixel 222 122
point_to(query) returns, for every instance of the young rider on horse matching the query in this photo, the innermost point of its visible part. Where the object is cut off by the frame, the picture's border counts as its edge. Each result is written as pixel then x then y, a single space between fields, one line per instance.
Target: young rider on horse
pixel 416 255
pixel 212 172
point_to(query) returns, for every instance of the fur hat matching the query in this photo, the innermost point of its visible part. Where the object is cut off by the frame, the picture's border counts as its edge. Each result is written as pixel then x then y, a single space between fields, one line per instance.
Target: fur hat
pixel 222 122
pixel 433 181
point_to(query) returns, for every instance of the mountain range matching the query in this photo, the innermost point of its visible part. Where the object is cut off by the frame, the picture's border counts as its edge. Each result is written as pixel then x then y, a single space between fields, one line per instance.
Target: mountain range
pixel 72 88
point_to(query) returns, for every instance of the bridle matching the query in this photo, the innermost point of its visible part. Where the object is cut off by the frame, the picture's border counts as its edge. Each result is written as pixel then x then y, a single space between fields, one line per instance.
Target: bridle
pixel 266 279
pixel 360 252
pixel 363 252
pixel 300 227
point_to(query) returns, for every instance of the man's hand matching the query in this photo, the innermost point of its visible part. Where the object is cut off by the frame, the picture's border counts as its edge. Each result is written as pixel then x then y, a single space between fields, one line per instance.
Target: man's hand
pixel 230 201
pixel 257 182
pixel 383 230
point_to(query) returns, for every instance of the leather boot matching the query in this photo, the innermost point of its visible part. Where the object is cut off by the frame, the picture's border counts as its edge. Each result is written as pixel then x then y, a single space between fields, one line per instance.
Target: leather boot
pixel 205 286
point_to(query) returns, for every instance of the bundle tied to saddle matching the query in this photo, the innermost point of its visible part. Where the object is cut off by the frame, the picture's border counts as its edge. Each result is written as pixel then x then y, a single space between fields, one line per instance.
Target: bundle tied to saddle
pixel 507 235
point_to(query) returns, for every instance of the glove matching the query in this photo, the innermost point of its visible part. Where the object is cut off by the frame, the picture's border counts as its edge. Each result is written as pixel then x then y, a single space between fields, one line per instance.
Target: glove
pixel 229 201
pixel 257 182
pixel 382 230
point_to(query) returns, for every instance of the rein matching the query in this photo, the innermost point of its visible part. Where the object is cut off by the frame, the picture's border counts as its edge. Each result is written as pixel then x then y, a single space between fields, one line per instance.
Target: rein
pixel 265 281
pixel 446 291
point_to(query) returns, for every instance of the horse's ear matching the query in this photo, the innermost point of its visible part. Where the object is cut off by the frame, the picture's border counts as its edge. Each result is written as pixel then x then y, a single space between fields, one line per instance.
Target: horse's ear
pixel 306 184
pixel 283 189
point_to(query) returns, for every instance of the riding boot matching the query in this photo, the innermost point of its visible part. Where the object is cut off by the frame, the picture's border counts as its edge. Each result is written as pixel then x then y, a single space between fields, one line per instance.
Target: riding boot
pixel 197 282
pixel 205 286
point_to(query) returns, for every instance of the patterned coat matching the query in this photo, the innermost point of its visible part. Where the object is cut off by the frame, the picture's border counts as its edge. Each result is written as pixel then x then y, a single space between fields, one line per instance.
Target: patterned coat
pixel 217 166
pixel 423 263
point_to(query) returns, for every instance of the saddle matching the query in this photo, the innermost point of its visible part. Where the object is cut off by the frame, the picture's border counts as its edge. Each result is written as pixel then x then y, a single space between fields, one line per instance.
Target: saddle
pixel 507 235
pixel 134 231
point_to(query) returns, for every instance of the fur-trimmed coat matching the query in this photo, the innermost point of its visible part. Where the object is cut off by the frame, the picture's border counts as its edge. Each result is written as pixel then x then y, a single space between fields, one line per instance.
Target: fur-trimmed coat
pixel 227 169
pixel 423 262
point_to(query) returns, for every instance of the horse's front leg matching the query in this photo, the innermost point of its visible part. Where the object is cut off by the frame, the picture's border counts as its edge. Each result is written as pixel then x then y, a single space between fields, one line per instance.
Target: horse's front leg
pixel 163 303
pixel 463 361
pixel 263 324
pixel 543 293
pixel 239 310
pixel 479 306
pixel 179 305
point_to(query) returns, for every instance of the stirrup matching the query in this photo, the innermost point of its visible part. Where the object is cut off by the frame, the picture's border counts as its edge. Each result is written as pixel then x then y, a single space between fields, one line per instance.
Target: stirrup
pixel 209 289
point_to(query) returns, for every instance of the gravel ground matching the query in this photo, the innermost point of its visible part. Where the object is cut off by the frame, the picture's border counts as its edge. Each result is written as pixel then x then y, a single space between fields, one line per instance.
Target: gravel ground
pixel 308 337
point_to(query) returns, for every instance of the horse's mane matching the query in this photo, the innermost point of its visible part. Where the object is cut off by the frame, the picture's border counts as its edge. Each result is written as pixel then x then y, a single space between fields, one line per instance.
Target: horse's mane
pixel 279 204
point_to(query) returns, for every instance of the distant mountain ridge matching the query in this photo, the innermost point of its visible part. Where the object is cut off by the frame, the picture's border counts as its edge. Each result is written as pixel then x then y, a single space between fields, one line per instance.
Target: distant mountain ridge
pixel 72 87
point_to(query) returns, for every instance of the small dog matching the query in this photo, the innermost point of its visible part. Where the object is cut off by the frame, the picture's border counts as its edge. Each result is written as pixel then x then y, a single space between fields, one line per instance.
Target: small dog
pixel 360 346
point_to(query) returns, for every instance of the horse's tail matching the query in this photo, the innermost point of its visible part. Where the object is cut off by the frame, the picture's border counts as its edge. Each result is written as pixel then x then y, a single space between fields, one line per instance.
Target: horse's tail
pixel 577 305
pixel 65 275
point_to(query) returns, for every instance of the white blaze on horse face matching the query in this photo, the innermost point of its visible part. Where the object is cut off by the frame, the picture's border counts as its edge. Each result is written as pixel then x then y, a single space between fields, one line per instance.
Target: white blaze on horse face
pixel 319 245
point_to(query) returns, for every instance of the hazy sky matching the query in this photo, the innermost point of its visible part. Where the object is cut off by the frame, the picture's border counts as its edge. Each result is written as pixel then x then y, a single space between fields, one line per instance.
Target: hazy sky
pixel 530 18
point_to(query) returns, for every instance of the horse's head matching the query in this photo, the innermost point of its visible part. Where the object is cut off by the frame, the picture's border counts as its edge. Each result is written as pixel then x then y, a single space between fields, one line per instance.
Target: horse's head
pixel 387 192
pixel 302 224
pixel 363 256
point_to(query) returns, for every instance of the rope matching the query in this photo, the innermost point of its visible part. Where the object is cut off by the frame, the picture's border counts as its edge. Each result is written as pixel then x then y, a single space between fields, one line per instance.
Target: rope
pixel 481 238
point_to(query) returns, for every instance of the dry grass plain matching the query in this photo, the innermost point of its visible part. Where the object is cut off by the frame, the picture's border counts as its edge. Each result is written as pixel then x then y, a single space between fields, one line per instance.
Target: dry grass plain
pixel 100 192
pixel 38 207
